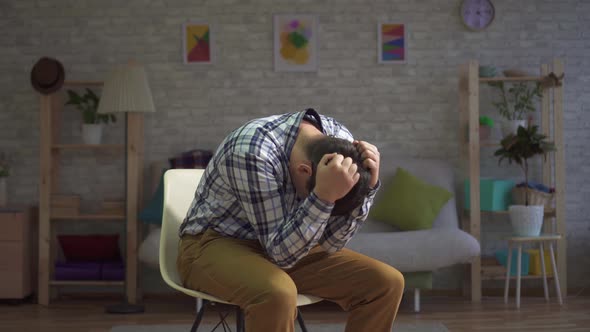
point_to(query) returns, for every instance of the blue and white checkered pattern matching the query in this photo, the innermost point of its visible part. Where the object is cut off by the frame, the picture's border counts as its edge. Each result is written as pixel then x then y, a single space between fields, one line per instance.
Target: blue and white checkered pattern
pixel 246 192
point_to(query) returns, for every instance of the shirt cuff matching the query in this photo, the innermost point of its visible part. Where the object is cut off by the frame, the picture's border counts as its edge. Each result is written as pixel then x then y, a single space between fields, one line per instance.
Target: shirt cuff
pixel 320 205
pixel 373 191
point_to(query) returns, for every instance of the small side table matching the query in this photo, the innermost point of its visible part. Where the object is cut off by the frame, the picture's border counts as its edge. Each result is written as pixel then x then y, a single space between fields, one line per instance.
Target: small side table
pixel 519 241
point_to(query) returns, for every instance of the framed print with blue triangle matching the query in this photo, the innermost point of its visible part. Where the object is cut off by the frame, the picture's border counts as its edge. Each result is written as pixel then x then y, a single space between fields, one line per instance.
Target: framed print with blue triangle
pixel 392 43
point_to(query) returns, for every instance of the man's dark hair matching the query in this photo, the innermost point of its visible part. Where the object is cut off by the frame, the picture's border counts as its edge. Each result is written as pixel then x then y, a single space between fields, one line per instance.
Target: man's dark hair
pixel 317 148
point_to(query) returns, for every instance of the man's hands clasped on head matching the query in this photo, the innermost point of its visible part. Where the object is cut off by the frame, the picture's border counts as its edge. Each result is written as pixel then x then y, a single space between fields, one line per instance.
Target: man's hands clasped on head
pixel 335 177
pixel 371 160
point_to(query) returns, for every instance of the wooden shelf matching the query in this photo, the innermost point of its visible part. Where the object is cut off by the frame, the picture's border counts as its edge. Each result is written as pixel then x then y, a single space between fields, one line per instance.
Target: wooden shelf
pixel 86 283
pixel 542 237
pixel 511 79
pixel 498 272
pixel 503 277
pixel 548 212
pixel 89 217
pixel 88 146
pixel 489 145
pixel 83 83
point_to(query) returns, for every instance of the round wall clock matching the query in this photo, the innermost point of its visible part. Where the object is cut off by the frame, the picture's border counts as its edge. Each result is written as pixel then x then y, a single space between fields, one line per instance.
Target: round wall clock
pixel 477 14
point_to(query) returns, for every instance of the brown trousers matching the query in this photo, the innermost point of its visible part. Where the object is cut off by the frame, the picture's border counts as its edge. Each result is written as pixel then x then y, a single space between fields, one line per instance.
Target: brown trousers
pixel 240 272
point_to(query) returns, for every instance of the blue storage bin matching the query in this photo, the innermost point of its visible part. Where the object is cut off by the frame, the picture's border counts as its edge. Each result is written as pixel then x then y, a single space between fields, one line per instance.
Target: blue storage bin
pixel 502 257
pixel 495 194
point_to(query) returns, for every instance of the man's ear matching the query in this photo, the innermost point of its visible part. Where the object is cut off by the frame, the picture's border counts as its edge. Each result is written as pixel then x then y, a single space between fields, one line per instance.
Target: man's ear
pixel 304 168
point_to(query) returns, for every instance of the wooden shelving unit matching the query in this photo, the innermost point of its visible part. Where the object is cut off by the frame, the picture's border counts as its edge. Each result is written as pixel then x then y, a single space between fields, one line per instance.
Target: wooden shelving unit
pixel 553 167
pixel 94 283
pixel 88 147
pixel 51 108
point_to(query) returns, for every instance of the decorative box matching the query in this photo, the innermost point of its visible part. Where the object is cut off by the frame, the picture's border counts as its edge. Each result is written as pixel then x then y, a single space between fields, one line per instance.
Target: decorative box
pixel 77 271
pixel 502 257
pixel 495 194
pixel 535 262
pixel 112 271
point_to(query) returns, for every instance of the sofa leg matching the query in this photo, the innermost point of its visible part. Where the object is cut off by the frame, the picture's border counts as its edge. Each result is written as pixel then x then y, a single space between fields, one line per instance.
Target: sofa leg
pixel 417 300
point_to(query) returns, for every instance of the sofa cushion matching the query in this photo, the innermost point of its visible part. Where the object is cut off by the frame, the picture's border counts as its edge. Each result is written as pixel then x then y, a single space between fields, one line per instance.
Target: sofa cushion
pixel 412 251
pixel 409 203
pixel 433 171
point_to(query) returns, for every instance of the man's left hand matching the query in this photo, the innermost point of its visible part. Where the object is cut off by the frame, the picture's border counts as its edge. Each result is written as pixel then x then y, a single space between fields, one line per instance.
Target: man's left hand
pixel 371 159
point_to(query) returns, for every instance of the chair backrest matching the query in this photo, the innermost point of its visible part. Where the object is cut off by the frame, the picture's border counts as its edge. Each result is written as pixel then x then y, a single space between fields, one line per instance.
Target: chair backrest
pixel 179 191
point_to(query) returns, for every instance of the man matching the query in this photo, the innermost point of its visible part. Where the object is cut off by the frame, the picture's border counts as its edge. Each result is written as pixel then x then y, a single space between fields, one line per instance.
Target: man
pixel 276 206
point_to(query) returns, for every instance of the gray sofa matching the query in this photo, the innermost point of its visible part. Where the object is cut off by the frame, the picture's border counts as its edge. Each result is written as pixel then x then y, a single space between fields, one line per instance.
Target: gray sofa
pixel 418 253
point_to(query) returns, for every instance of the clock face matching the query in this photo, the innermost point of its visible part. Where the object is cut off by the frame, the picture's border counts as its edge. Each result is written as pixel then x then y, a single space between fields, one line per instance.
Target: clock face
pixel 477 14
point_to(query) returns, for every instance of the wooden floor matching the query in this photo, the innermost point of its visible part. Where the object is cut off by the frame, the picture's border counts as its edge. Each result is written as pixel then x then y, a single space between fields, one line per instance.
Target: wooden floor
pixel 75 315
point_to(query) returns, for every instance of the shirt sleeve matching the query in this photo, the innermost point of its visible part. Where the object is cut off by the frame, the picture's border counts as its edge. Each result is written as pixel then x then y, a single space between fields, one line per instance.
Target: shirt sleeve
pixel 286 235
pixel 341 229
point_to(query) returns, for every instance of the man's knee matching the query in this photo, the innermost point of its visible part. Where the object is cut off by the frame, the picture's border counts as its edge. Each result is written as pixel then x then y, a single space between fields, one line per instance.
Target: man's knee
pixel 388 280
pixel 280 296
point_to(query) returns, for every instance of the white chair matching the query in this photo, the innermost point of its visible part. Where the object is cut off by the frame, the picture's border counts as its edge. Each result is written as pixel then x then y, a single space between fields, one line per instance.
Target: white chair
pixel 179 191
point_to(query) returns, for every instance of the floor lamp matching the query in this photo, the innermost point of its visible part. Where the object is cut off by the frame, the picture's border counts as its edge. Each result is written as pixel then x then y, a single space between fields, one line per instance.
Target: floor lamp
pixel 127 91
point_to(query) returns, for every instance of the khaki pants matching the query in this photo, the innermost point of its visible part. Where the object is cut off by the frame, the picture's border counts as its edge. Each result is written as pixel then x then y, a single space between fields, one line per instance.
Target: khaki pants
pixel 239 271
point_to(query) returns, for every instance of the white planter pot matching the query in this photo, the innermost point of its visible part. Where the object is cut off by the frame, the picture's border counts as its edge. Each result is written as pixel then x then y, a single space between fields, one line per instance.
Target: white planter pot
pixel 3 192
pixel 511 126
pixel 526 220
pixel 91 133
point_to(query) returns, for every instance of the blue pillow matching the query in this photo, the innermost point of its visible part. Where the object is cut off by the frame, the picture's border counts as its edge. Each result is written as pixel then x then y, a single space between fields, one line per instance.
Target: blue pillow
pixel 152 212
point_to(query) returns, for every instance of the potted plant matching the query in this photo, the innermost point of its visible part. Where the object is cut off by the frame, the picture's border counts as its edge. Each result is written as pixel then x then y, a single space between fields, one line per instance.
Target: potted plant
pixel 526 219
pixel 92 120
pixel 515 103
pixel 485 127
pixel 4 173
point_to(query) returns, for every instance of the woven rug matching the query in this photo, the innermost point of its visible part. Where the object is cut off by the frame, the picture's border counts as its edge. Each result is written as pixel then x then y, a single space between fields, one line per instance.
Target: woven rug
pixel 311 327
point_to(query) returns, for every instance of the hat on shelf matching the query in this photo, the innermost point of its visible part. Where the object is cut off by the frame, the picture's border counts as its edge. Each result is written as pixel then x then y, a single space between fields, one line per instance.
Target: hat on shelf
pixel 47 75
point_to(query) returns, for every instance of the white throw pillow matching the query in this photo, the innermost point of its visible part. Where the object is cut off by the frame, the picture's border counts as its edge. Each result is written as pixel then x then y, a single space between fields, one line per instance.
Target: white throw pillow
pixel 150 248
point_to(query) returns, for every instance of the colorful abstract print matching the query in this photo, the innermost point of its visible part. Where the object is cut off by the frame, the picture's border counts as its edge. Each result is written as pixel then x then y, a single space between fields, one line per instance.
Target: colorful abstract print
pixel 393 42
pixel 198 46
pixel 295 36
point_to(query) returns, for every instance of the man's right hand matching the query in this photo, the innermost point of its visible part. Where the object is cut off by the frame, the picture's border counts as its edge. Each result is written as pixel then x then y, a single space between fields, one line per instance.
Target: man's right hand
pixel 335 177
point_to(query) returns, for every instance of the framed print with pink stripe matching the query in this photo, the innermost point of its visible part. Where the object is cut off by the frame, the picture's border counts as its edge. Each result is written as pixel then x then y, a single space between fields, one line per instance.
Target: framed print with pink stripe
pixel 392 43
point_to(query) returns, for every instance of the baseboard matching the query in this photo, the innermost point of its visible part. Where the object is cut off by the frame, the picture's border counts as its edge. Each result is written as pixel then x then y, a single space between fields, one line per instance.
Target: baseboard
pixel 534 291
pixel 456 293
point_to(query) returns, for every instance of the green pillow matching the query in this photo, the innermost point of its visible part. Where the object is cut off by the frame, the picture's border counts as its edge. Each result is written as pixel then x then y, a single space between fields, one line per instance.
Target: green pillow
pixel 409 203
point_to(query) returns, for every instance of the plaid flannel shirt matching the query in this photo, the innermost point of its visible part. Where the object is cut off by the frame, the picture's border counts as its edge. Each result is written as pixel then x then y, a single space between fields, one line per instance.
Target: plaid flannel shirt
pixel 246 192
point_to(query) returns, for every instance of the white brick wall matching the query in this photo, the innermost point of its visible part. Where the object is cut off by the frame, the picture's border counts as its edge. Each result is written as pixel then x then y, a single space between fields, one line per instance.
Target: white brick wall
pixel 411 108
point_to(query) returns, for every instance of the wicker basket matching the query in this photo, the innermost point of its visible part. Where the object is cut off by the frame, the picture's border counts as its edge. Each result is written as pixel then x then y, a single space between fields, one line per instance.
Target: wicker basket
pixel 536 197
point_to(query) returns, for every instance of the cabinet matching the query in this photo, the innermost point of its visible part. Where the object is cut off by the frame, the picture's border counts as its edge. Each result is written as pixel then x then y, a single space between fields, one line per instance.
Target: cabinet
pixel 553 167
pixel 51 109
pixel 17 252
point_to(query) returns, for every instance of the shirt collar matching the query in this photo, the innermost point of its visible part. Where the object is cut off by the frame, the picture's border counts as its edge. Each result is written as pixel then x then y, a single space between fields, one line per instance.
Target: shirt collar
pixel 309 115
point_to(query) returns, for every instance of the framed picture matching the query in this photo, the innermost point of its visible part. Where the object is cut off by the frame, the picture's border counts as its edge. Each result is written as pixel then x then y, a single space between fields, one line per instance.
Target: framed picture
pixel 197 48
pixel 295 42
pixel 392 43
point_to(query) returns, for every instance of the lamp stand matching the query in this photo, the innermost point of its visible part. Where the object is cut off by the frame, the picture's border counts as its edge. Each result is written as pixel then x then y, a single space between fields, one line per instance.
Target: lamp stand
pixel 133 176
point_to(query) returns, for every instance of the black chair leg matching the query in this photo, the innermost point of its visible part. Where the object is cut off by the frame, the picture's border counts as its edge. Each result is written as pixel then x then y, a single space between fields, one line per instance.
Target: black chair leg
pixel 301 322
pixel 240 326
pixel 199 316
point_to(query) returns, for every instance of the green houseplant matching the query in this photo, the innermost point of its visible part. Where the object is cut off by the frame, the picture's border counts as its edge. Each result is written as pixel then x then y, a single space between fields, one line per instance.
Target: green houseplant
pixel 485 127
pixel 87 103
pixel 516 101
pixel 527 143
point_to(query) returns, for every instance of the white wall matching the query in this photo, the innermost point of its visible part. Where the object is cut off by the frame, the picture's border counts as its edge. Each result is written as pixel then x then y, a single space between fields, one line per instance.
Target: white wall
pixel 411 108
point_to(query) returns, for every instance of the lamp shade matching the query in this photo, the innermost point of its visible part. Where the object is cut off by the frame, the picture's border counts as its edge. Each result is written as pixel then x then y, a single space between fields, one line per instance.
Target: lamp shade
pixel 126 90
